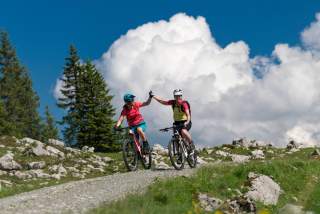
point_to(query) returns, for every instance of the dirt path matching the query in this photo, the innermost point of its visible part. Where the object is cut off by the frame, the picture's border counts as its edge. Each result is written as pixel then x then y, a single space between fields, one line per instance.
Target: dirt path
pixel 80 196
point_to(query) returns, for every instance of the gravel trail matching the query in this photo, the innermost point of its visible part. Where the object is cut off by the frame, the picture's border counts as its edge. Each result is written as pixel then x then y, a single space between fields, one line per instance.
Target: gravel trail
pixel 80 196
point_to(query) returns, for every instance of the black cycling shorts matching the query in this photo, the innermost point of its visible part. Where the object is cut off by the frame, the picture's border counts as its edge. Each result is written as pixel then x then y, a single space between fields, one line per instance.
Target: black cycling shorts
pixel 181 123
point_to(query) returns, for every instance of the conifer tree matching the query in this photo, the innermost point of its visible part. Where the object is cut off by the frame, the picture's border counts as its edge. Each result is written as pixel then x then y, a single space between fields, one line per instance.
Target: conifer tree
pixel 69 98
pixel 19 99
pixel 96 111
pixel 50 130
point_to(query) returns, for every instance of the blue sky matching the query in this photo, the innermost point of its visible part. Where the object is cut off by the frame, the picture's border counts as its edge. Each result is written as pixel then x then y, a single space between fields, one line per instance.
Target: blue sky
pixel 42 30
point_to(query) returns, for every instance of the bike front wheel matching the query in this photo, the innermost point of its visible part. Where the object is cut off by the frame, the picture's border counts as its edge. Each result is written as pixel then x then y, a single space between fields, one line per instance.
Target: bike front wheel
pixel 192 157
pixel 130 155
pixel 176 155
pixel 146 158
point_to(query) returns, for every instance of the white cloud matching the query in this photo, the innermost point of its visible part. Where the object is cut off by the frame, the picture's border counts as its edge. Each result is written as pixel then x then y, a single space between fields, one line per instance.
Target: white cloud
pixel 227 99
pixel 310 36
pixel 57 89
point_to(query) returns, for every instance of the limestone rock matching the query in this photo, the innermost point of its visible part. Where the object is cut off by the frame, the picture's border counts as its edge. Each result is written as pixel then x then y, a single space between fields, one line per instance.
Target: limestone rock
pixel 240 158
pixel 54 152
pixel 36 165
pixel 38 173
pixel 200 161
pixel 162 166
pixel 257 154
pixel 7 162
pixel 207 203
pixel 106 159
pixel 58 169
pixel 222 153
pixel 158 149
pixel 240 204
pixel 263 189
pixel 87 149
pixel 56 142
pixel 22 175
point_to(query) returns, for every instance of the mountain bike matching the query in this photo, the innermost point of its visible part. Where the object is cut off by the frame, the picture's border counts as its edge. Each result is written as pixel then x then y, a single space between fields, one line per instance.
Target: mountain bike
pixel 180 150
pixel 132 151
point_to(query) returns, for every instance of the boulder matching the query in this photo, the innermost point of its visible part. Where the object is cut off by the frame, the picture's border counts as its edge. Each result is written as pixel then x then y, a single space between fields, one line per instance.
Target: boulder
pixel 56 142
pixel 161 166
pixel 39 150
pixel 38 173
pixel 158 149
pixel 239 204
pixel 7 163
pixel 246 143
pixel 106 159
pixel 54 152
pixel 208 203
pixel 58 169
pixel 6 183
pixel 30 141
pixel 257 154
pixel 294 145
pixel 200 161
pixel 22 175
pixel 315 154
pixel 36 165
pixel 87 149
pixel 77 175
pixel 73 151
pixel 240 158
pixel 263 188
pixel 222 153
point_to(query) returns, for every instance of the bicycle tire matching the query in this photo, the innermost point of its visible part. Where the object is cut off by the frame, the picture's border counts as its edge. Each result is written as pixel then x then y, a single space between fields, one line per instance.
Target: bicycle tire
pixel 147 160
pixel 176 152
pixel 128 148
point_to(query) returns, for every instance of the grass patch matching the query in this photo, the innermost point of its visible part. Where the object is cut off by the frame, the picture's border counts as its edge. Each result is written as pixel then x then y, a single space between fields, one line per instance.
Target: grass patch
pixel 297 174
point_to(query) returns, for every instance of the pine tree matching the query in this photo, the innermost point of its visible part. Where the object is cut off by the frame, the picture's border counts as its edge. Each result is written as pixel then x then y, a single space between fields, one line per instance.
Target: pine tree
pixel 96 111
pixel 4 125
pixel 69 101
pixel 50 130
pixel 19 99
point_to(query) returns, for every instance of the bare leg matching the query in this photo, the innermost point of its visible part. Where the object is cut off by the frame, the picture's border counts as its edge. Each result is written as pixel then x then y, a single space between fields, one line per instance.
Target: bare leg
pixel 186 135
pixel 141 134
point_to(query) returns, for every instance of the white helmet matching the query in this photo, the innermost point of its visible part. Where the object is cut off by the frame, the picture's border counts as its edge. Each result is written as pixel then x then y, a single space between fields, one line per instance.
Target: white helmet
pixel 177 92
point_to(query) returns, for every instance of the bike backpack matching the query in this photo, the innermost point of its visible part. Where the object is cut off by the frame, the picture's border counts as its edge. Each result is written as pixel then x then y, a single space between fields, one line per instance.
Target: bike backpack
pixel 182 108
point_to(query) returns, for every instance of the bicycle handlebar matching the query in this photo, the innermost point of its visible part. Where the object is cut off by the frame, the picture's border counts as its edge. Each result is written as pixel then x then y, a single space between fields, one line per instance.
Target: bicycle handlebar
pixel 121 129
pixel 172 127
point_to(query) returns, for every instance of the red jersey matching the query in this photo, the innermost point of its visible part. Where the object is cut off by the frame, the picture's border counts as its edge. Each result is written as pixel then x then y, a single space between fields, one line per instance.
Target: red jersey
pixel 133 115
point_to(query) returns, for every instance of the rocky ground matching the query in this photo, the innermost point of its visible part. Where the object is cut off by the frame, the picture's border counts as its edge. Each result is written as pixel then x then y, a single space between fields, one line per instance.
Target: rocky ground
pixel 80 196
pixel 27 164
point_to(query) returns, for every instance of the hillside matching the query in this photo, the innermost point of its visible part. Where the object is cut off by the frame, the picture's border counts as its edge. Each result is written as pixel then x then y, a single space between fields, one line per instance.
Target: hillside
pixel 245 178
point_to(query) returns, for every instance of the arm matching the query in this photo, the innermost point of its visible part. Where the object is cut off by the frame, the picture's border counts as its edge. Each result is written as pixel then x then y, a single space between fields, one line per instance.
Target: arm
pixel 119 121
pixel 188 117
pixel 146 102
pixel 160 100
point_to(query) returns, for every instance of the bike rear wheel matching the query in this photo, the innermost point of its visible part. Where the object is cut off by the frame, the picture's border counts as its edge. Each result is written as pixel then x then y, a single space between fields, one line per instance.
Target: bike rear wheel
pixel 176 154
pixel 146 158
pixel 130 155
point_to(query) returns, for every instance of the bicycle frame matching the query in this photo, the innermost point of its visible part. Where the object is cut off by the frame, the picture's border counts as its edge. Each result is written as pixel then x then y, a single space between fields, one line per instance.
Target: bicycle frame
pixel 136 142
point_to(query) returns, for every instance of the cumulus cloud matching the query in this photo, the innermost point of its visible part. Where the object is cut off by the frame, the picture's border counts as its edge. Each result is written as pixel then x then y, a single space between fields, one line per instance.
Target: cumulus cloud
pixel 232 95
pixel 310 36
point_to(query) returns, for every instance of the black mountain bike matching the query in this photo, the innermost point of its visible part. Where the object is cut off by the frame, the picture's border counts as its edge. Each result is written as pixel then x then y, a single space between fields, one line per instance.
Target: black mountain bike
pixel 132 151
pixel 180 150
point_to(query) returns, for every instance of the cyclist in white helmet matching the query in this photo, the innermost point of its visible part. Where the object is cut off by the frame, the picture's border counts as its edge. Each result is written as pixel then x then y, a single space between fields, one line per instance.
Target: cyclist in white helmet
pixel 181 114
